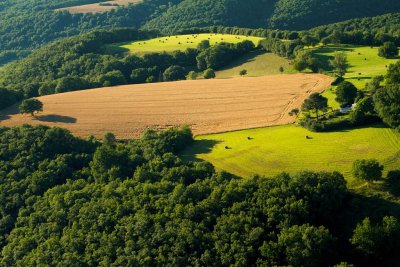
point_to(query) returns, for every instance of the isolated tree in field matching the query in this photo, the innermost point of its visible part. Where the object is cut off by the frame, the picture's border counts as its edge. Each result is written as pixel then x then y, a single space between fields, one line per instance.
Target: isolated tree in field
pixel 243 72
pixel 209 74
pixel 30 106
pixel 346 93
pixel 281 69
pixel 339 63
pixel 388 50
pixel 174 73
pixel 387 104
pixel 294 112
pixel 316 103
pixel 367 169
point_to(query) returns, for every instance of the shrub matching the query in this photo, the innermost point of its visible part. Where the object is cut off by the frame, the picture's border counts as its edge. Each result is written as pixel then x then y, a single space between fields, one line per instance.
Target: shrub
pixel 368 170
pixel 174 73
pixel 209 74
pixel 388 50
pixel 243 72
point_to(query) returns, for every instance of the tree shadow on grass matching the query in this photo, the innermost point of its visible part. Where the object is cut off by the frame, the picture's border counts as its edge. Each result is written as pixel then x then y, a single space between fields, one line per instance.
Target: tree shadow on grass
pixel 56 118
pixel 198 147
pixel 249 57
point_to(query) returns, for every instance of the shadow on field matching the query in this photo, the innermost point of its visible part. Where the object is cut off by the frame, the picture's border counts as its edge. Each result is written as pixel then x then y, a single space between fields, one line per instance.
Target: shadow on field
pixel 4 117
pixel 249 57
pixel 56 118
pixel 378 125
pixel 322 51
pixel 198 147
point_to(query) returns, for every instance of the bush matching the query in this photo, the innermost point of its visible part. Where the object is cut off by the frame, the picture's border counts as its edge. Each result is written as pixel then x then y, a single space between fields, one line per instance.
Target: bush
pixel 209 74
pixel 388 50
pixel 367 170
pixel 174 73
pixel 243 72
pixel 192 75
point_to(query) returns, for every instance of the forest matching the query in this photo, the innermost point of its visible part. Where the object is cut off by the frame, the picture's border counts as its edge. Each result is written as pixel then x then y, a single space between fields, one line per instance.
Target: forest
pixel 88 203
pixel 26 25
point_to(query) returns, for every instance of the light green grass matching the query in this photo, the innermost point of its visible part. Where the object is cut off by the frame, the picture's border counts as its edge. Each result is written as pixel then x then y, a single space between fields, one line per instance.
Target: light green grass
pixel 180 42
pixel 285 148
pixel 360 70
pixel 257 63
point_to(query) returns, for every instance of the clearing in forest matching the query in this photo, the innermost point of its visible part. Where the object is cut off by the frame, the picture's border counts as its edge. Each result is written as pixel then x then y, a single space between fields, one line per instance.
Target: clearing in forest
pixel 364 62
pixel 98 7
pixel 207 106
pixel 257 63
pixel 178 42
pixel 269 151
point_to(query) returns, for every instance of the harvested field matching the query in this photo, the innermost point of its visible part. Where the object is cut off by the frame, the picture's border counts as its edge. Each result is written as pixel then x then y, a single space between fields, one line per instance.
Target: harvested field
pixel 208 106
pixel 98 7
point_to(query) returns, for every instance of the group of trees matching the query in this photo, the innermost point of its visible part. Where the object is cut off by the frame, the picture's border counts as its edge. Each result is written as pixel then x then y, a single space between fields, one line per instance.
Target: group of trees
pixel 85 202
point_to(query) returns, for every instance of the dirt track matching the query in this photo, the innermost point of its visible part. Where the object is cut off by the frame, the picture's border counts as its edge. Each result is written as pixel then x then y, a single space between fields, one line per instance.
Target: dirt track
pixel 208 106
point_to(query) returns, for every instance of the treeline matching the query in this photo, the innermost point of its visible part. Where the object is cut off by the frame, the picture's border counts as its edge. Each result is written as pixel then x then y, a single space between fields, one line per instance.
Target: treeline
pixel 85 202
pixel 27 25
pixel 273 14
pixel 79 63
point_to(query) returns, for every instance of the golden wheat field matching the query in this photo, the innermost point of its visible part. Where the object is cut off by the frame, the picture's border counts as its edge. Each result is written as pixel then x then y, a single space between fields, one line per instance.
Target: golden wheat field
pixel 208 106
pixel 97 7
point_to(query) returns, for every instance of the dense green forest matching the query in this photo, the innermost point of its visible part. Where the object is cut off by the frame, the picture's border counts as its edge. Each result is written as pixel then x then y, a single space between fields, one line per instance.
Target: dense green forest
pixel 88 203
pixel 26 25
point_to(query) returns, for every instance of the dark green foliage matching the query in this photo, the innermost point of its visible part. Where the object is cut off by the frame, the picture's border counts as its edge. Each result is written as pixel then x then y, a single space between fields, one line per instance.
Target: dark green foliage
pixel 367 170
pixel 219 55
pixel 388 50
pixel 112 78
pixel 378 243
pixel 316 103
pixel 393 74
pixel 71 202
pixel 243 72
pixel 364 112
pixel 306 60
pixel 346 93
pixel 387 104
pixel 339 63
pixel 8 97
pixel 30 106
pixel 209 74
pixel 281 48
pixel 174 73
pixel 32 160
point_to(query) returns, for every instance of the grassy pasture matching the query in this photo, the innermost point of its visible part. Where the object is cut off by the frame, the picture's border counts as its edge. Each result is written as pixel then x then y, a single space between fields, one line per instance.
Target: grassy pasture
pixel 178 42
pixel 272 150
pixel 364 62
pixel 257 63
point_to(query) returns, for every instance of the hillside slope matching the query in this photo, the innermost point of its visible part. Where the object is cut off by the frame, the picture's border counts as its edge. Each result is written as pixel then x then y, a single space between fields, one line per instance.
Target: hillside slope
pixel 281 14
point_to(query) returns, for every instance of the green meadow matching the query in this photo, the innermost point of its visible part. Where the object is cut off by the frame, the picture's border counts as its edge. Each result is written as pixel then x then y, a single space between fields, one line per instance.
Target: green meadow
pixel 364 62
pixel 179 42
pixel 285 148
pixel 257 63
